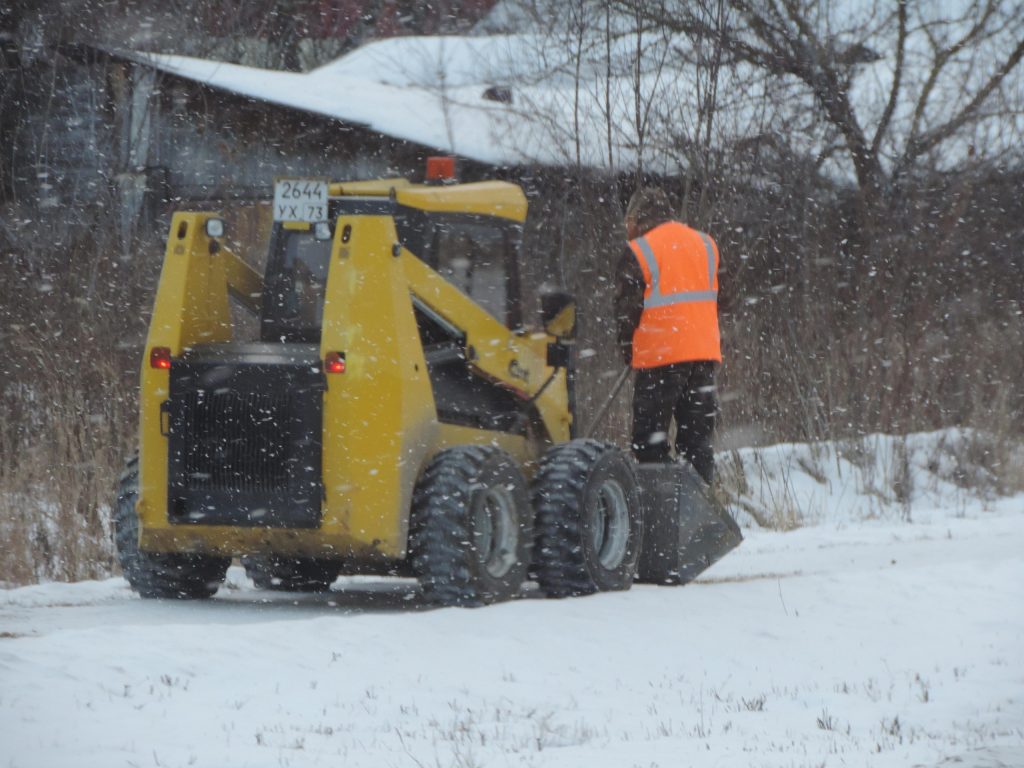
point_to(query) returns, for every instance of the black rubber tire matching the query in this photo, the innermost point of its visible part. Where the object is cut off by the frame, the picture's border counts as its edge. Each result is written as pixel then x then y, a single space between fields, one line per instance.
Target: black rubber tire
pixel 157 574
pixel 453 546
pixel 290 574
pixel 579 550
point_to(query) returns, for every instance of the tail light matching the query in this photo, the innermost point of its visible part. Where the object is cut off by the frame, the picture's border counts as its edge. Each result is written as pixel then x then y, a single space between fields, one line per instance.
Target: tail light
pixel 334 362
pixel 160 357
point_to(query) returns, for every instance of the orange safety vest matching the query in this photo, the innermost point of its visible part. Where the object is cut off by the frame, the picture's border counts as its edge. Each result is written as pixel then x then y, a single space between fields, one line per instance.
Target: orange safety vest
pixel 679 322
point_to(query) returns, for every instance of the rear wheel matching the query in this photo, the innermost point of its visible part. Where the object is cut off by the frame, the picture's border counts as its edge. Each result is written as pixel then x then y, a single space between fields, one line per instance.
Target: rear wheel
pixel 290 574
pixel 158 574
pixel 471 529
pixel 589 524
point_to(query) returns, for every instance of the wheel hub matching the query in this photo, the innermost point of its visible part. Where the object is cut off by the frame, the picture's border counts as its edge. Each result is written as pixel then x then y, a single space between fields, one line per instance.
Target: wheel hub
pixel 610 529
pixel 495 530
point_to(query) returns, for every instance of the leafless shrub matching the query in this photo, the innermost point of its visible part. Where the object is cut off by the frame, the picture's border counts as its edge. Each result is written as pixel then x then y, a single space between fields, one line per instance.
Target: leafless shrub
pixel 991 464
pixel 72 335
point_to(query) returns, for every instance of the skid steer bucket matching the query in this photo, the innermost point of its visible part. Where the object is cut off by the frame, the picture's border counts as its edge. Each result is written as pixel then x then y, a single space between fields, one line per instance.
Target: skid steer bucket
pixel 685 529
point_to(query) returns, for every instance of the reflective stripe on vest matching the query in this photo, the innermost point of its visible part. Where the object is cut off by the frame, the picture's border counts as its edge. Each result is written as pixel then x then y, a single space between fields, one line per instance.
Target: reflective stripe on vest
pixel 657 298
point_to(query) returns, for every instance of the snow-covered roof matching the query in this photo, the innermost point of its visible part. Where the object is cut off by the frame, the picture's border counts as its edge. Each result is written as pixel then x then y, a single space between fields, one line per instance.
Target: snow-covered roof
pixel 500 99
pixel 548 97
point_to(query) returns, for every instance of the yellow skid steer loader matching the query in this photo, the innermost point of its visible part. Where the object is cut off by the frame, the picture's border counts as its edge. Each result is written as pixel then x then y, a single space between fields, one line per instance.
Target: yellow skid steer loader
pixel 392 418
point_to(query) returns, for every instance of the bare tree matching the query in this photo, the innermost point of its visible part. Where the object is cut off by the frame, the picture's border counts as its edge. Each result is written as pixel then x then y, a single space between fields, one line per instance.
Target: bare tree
pixel 896 81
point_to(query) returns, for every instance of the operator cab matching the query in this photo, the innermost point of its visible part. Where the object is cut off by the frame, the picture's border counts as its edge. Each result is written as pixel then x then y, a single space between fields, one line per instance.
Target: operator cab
pixel 467 234
pixel 475 252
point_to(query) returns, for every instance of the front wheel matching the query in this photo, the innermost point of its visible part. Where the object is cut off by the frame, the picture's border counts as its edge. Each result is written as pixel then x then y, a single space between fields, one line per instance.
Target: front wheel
pixel 157 574
pixel 471 530
pixel 589 523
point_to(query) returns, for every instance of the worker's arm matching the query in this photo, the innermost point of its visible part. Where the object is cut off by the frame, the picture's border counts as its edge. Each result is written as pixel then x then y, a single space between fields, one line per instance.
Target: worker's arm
pixel 629 301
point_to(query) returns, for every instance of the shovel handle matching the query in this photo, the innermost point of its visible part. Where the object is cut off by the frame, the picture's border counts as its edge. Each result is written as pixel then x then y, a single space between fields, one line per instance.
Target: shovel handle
pixel 603 410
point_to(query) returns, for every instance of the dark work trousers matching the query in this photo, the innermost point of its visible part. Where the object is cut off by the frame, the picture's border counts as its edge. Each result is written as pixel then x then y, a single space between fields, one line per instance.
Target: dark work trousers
pixel 686 391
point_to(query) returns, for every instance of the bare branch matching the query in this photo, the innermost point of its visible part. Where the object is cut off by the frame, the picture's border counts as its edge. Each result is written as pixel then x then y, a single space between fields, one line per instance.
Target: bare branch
pixel 919 145
pixel 943 57
pixel 897 77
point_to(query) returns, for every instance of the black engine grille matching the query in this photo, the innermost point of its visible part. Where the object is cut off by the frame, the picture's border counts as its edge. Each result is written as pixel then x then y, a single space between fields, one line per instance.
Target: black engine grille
pixel 244 436
pixel 236 441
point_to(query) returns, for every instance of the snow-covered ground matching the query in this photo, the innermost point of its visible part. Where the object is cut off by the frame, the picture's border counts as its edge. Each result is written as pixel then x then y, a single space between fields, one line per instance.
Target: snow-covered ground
pixel 865 639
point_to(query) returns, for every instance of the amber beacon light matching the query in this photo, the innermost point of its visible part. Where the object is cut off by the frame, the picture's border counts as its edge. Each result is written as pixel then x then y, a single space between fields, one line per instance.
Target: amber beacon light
pixel 441 168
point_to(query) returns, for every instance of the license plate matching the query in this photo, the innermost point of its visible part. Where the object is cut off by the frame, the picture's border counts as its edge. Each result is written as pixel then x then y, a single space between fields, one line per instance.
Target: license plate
pixel 300 200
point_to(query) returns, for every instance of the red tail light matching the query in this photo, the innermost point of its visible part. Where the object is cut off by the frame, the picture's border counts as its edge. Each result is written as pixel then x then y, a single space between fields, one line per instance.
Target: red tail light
pixel 334 362
pixel 160 357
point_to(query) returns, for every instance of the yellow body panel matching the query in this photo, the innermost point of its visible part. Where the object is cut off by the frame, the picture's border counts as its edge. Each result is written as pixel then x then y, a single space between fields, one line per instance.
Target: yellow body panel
pixel 485 198
pixel 379 416
pixel 191 308
pixel 380 423
pixel 563 325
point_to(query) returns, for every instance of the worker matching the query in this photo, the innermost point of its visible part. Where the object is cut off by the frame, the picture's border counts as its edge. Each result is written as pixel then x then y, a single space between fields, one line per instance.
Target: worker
pixel 666 307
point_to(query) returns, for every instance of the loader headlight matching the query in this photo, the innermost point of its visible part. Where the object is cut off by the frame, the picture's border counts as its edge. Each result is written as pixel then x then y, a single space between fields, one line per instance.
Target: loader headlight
pixel 322 230
pixel 215 227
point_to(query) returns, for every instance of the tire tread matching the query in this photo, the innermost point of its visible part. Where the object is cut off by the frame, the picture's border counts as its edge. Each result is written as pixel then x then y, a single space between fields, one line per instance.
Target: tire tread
pixel 159 575
pixel 440 545
pixel 559 489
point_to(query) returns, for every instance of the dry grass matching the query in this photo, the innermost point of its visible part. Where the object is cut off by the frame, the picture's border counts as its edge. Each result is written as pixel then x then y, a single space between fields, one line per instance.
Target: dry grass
pixel 71 337
pixel 57 491
pixel 735 483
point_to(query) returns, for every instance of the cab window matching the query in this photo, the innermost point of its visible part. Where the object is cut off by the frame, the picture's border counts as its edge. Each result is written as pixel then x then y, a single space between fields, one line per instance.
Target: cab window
pixel 473 257
pixel 293 301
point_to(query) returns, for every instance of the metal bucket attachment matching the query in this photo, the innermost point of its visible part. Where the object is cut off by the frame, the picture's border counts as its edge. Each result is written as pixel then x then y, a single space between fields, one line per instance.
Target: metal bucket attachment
pixel 685 528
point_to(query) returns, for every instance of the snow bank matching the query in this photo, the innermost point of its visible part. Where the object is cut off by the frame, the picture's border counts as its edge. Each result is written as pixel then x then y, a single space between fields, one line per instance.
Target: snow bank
pixel 922 477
